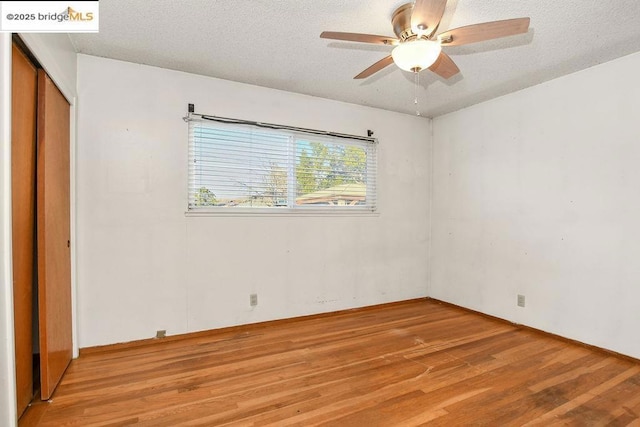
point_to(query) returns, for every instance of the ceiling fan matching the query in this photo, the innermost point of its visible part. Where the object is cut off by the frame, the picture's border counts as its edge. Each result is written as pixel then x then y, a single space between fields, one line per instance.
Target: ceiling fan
pixel 418 47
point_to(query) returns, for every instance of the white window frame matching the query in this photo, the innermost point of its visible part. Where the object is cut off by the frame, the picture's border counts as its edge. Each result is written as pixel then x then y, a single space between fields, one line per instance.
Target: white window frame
pixel 370 208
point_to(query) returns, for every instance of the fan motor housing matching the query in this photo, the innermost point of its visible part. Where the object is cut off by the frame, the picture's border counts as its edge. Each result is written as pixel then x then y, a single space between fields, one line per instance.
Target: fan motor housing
pixel 401 21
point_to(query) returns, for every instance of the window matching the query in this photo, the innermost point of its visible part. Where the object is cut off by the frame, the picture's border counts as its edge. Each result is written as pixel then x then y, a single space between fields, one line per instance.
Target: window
pixel 238 166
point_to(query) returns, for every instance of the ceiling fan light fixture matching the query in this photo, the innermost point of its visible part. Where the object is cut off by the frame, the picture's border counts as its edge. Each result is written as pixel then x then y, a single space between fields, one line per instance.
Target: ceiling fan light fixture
pixel 416 55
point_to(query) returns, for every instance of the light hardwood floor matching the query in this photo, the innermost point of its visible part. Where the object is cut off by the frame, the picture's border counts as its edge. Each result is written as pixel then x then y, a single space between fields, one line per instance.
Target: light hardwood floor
pixel 413 363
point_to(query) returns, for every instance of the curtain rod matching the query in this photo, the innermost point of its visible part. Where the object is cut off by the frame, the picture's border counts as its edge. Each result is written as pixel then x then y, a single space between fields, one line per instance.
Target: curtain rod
pixel 191 115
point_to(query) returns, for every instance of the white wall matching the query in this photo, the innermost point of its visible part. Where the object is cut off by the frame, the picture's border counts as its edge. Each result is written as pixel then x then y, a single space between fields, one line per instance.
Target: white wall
pixel 536 193
pixel 144 266
pixel 57 55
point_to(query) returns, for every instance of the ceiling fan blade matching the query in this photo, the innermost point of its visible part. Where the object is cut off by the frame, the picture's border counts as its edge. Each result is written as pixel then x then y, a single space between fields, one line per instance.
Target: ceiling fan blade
pixel 444 66
pixel 357 37
pixel 427 14
pixel 486 31
pixel 375 67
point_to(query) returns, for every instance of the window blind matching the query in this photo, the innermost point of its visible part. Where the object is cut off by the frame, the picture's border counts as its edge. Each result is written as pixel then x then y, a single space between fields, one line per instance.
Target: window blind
pixel 243 166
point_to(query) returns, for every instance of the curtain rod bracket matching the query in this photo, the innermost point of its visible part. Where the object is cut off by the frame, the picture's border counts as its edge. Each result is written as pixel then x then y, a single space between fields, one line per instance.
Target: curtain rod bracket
pixel 191 109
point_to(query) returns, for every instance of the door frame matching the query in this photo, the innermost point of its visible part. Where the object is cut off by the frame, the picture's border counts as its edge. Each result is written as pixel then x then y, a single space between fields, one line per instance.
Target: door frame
pixel 8 400
pixel 53 61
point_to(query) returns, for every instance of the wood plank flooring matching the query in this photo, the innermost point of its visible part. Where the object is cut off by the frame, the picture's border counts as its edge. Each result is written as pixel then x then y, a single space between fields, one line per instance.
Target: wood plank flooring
pixel 414 363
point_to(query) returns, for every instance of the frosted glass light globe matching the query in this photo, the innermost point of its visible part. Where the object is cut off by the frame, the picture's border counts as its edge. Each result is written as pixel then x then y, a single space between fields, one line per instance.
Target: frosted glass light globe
pixel 416 55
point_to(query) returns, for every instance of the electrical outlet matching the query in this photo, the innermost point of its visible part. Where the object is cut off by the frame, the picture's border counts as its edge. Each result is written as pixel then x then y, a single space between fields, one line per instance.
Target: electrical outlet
pixel 520 300
pixel 253 300
pixel 161 333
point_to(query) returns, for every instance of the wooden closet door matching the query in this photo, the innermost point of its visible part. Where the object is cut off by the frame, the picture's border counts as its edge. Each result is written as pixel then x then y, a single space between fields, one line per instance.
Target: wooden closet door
pixel 23 201
pixel 53 212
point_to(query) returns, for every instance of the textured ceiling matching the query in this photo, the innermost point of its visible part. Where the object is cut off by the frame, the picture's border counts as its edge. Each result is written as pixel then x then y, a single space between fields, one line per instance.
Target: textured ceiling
pixel 275 43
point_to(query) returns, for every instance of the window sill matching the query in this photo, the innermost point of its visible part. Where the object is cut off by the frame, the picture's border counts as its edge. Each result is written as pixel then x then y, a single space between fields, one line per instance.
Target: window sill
pixel 242 212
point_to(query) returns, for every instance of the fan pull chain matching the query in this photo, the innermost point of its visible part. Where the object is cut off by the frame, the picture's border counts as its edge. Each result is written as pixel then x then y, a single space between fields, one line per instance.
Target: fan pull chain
pixel 416 78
